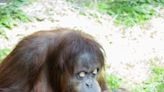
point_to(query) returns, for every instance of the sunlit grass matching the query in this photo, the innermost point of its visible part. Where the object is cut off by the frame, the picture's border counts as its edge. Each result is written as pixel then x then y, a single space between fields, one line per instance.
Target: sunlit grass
pixel 11 14
pixel 155 83
pixel 4 52
pixel 130 12
pixel 114 82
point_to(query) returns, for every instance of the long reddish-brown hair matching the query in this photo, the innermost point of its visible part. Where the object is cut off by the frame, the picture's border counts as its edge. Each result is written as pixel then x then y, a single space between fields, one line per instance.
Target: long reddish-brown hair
pixel 40 62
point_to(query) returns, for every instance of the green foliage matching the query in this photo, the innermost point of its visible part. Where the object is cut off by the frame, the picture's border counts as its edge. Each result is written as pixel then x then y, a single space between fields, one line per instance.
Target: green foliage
pixel 11 14
pixel 130 12
pixel 82 3
pixel 2 33
pixel 19 2
pixel 155 83
pixel 125 12
pixel 4 52
pixel 114 82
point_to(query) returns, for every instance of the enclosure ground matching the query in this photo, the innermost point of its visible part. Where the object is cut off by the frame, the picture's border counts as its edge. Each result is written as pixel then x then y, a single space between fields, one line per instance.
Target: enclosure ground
pixel 130 52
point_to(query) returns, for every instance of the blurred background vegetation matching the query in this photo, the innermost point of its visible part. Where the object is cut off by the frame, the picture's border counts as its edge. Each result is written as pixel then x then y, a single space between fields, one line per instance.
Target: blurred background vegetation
pixel 124 12
pixel 11 13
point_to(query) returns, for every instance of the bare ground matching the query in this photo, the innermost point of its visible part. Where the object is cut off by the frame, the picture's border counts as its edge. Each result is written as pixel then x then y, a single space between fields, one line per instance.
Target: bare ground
pixel 129 52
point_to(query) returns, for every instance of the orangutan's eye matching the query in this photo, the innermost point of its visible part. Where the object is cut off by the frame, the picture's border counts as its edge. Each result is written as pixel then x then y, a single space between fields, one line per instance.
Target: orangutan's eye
pixel 95 71
pixel 81 75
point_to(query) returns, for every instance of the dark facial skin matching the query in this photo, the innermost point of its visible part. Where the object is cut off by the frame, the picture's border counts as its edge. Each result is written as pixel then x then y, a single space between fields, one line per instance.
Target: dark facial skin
pixel 86 73
pixel 61 60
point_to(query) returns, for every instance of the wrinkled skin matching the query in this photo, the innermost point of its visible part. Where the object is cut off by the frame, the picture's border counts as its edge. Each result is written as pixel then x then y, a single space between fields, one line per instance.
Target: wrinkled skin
pixel 86 72
pixel 61 60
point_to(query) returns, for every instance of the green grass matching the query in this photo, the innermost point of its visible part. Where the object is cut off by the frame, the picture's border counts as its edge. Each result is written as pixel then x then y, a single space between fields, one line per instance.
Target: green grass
pixel 124 12
pixel 114 82
pixel 155 83
pixel 82 3
pixel 2 33
pixel 11 14
pixel 130 12
pixel 4 52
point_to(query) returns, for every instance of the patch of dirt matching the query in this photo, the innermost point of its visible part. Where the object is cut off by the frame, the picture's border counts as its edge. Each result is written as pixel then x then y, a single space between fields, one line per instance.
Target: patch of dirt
pixel 129 52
